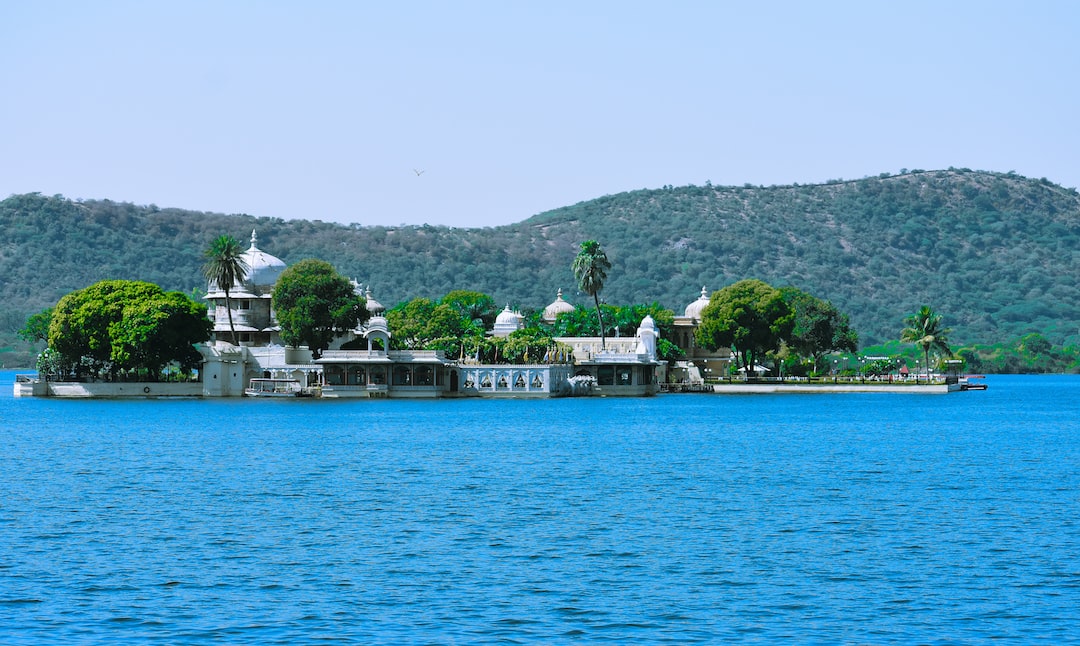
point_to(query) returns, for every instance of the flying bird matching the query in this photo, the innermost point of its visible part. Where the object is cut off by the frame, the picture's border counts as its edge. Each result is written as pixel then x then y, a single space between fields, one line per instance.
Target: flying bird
pixel 418 172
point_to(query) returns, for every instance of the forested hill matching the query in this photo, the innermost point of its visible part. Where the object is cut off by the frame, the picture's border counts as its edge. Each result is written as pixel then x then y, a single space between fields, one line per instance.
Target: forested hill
pixel 997 254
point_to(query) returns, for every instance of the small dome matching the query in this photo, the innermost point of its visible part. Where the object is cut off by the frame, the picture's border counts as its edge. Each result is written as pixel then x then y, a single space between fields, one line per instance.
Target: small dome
pixel 647 323
pixel 377 324
pixel 693 310
pixel 507 322
pixel 559 306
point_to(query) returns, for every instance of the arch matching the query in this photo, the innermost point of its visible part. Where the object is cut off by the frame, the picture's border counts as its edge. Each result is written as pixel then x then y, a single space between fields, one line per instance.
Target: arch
pixel 334 375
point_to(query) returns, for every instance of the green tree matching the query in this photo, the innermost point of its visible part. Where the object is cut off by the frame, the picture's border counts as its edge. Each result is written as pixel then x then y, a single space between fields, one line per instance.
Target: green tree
pixel 422 324
pixel 820 328
pixel 407 322
pixel 314 303
pixel 224 266
pixel 582 322
pixel 590 268
pixel 477 308
pixel 119 325
pixel 36 329
pixel 750 317
pixel 153 333
pixel 527 346
pixel 925 330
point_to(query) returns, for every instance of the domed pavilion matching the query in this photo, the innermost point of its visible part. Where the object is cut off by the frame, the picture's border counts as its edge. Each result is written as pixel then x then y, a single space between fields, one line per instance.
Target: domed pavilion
pixel 252 317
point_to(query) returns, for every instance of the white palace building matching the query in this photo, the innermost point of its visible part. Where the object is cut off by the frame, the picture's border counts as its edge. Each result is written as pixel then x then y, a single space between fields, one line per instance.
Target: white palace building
pixel 360 364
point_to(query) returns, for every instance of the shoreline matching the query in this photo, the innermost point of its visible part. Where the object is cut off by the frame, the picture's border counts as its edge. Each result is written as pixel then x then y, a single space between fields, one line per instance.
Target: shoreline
pixel 787 388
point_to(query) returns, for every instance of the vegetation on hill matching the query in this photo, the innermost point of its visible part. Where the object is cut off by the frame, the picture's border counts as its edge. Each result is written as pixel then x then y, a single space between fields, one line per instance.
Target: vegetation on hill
pixel 996 253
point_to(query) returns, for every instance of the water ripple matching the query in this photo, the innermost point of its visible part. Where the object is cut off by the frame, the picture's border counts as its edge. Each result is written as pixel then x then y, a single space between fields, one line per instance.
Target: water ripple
pixel 681 519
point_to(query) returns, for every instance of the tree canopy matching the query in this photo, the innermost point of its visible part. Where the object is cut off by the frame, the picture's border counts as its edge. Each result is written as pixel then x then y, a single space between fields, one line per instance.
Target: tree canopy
pixel 820 328
pixel 478 308
pixel 423 324
pixel 314 304
pixel 119 325
pixel 924 329
pixel 750 317
pixel 224 266
pixel 590 268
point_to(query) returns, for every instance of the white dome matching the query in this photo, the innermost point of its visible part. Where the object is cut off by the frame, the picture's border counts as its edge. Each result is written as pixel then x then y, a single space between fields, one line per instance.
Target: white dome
pixel 648 323
pixel 262 268
pixel 693 310
pixel 261 271
pixel 507 322
pixel 377 324
pixel 559 306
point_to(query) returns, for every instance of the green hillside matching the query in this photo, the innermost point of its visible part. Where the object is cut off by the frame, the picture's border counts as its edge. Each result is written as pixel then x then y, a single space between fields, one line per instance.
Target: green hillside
pixel 998 254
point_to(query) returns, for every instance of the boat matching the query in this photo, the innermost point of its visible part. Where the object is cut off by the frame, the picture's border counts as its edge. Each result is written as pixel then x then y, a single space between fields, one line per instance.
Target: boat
pixel 261 387
pixel 967 384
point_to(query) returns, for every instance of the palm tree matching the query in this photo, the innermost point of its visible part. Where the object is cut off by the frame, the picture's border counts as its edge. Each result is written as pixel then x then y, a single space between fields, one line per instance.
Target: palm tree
pixel 924 330
pixel 225 267
pixel 590 268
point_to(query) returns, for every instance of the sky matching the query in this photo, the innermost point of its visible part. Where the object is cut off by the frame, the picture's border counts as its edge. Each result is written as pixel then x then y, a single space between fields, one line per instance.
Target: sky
pixel 475 114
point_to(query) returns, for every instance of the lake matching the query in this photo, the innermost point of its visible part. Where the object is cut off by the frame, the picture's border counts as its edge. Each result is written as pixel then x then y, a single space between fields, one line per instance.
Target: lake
pixel 853 518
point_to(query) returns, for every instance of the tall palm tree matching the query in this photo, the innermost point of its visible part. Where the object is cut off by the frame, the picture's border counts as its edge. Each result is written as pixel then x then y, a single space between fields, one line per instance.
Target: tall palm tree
pixel 590 268
pixel 225 266
pixel 924 330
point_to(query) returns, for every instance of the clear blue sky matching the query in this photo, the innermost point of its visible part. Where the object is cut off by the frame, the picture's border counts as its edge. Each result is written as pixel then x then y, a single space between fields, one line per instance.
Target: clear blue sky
pixel 326 110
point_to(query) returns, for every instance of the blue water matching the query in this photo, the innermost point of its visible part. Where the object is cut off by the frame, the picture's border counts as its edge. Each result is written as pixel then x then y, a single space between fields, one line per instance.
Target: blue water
pixel 840 518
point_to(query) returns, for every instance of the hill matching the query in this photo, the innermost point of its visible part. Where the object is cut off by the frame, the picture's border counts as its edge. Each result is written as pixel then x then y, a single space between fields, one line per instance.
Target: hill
pixel 997 253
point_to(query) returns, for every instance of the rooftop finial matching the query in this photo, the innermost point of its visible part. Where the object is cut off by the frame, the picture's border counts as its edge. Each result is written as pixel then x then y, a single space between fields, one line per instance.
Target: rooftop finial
pixel 254 238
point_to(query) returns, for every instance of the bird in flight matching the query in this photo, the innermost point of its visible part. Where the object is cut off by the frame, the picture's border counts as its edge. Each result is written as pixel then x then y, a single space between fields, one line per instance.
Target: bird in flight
pixel 418 172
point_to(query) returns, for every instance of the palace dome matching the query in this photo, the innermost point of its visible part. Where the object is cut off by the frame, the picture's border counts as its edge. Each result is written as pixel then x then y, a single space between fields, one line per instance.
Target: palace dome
pixel 261 271
pixel 262 268
pixel 693 310
pixel 507 322
pixel 557 307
